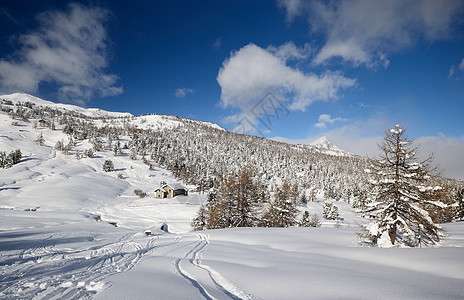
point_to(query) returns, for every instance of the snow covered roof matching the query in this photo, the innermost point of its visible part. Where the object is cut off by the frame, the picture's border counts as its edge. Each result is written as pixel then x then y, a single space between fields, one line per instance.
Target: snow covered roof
pixel 160 189
pixel 175 186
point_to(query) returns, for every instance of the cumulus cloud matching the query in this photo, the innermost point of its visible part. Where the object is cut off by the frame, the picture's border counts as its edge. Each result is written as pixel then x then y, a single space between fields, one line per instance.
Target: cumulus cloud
pixel 69 49
pixel 289 51
pixel 325 119
pixel 251 73
pixel 365 31
pixel 182 92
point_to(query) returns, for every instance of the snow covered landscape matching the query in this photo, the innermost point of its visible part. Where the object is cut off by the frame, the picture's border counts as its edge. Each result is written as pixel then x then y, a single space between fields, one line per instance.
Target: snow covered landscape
pixel 70 230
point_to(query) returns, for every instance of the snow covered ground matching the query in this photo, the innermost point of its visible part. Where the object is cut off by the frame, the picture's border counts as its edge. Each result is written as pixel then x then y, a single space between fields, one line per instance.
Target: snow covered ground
pixel 68 230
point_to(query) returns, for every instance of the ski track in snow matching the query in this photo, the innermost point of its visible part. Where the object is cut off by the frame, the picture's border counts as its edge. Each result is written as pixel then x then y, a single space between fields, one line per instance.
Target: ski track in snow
pixel 43 272
pixel 209 283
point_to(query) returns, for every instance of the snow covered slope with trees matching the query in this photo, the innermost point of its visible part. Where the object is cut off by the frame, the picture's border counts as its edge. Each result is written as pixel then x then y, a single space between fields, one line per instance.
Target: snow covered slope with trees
pixel 70 228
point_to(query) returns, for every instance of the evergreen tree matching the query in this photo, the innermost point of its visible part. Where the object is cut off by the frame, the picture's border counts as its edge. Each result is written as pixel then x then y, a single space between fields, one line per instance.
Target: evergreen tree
pixel 3 160
pixel 330 210
pixel 283 210
pixel 16 156
pixel 460 204
pixel 401 187
pixel 59 146
pixel 117 149
pixel 303 199
pixel 108 166
pixel 200 220
pixel 312 194
pixel 305 220
pixel 40 139
pixel 315 221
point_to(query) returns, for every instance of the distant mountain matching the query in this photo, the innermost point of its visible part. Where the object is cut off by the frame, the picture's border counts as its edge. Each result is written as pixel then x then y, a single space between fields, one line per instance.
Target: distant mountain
pixel 323 142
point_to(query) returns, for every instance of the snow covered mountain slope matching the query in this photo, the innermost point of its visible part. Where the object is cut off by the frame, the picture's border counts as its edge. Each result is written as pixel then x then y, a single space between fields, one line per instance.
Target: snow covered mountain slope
pixel 325 146
pixel 324 142
pixel 69 230
pixel 91 112
pixel 152 121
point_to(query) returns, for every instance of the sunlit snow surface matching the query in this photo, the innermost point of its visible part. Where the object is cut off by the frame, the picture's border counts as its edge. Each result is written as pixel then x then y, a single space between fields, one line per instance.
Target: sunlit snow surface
pixel 57 241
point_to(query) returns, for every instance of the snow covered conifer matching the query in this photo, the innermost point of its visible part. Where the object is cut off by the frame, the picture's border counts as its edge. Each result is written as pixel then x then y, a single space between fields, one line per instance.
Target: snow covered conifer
pixel 40 139
pixel 305 220
pixel 283 211
pixel 108 166
pixel 330 210
pixel 200 220
pixel 401 188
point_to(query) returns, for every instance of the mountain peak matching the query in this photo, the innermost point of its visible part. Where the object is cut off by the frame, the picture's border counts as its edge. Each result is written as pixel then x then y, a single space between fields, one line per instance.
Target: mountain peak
pixel 323 142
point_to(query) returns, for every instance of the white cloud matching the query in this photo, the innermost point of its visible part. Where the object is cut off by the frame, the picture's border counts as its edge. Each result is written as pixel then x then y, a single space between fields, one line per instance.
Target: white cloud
pixel 461 65
pixel 455 71
pixel 289 51
pixel 182 92
pixel 448 153
pixel 69 49
pixel 362 137
pixel 451 72
pixel 325 119
pixel 217 43
pixel 365 31
pixel 293 8
pixel 251 72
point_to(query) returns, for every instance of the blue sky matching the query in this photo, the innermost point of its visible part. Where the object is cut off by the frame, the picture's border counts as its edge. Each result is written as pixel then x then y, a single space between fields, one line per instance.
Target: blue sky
pixel 347 69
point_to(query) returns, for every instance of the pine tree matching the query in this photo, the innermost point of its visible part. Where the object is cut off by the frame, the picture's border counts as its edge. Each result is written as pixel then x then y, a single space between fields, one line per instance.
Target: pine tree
pixel 3 160
pixel 200 220
pixel 401 191
pixel 108 166
pixel 305 220
pixel 303 199
pixel 117 149
pixel 283 210
pixel 330 210
pixel 459 197
pixel 59 146
pixel 40 139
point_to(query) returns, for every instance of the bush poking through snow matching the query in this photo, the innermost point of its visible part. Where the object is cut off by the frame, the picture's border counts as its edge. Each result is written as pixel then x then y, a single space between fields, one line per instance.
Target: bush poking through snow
pixel 140 193
pixel 108 166
pixel 88 153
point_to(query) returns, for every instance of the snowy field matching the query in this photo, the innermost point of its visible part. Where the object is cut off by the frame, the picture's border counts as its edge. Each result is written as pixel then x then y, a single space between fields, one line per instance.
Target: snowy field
pixel 68 230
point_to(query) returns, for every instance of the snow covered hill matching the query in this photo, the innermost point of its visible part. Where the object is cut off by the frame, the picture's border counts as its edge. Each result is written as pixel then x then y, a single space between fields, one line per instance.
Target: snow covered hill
pixel 70 230
pixel 324 143
pixel 325 146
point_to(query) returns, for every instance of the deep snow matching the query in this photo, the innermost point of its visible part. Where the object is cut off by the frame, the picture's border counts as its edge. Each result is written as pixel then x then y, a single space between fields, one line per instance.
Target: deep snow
pixel 57 241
